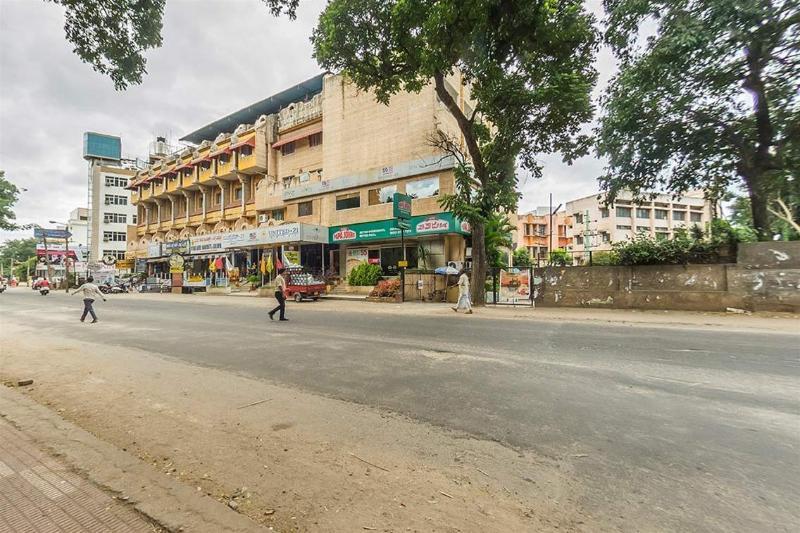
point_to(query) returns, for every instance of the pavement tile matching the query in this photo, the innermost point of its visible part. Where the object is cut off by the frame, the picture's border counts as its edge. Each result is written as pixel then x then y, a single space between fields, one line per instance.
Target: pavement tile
pixel 38 494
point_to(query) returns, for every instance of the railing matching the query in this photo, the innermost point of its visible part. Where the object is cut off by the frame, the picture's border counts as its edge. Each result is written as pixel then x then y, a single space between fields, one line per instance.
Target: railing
pixel 300 112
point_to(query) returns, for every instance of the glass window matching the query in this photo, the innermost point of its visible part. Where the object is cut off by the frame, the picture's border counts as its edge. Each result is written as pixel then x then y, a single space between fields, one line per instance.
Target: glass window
pixel 217 197
pixel 384 195
pixel 278 214
pixel 424 188
pixel 661 214
pixel 578 218
pixel 116 181
pixel 621 226
pixel 605 237
pixel 117 254
pixel 604 212
pixel 643 228
pixel 661 236
pixel 305 208
pixel 696 217
pixel 315 140
pixel 679 215
pixel 578 239
pixel 111 218
pixel 287 148
pixel 237 194
pixel 115 236
pixel 642 213
pixel 134 219
pixel 624 212
pixel 348 201
pixel 113 199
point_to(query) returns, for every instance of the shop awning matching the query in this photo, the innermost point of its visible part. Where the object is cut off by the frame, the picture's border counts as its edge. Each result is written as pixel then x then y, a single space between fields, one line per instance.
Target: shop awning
pixel 225 150
pixel 297 136
pixel 206 157
pixel 250 141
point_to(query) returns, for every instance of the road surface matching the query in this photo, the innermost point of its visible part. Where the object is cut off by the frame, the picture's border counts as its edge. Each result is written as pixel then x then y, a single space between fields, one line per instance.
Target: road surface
pixel 693 428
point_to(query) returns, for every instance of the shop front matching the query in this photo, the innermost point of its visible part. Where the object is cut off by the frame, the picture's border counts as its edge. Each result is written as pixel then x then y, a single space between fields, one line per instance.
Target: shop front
pixel 431 241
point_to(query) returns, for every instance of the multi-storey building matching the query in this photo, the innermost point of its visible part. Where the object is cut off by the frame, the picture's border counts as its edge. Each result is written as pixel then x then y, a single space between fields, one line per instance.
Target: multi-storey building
pixel 110 208
pixel 595 226
pixel 309 175
pixel 78 226
pixel 533 232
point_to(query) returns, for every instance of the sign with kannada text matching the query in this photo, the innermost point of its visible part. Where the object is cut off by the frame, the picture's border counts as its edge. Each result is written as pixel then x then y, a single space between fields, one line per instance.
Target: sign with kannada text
pixel 401 206
pixel 439 223
pixel 42 233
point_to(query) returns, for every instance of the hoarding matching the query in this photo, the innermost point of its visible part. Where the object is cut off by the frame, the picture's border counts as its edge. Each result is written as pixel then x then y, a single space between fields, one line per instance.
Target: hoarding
pixel 99 146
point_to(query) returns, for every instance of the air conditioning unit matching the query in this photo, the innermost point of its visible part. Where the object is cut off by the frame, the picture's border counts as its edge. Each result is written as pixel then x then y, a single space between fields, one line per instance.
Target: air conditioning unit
pixel 262 218
pixel 458 265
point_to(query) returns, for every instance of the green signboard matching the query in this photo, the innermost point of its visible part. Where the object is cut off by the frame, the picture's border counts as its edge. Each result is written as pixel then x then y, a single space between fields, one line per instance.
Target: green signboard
pixel 403 224
pixel 402 206
pixel 387 229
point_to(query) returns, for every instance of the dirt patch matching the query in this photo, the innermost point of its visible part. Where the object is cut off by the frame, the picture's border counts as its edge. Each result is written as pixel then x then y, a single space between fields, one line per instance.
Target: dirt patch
pixel 297 462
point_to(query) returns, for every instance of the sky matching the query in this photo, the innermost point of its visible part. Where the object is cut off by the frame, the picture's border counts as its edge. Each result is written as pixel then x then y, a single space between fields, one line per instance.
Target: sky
pixel 217 56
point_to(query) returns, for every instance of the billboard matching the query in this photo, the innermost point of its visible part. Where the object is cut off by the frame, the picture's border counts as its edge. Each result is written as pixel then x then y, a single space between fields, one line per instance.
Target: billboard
pixel 99 146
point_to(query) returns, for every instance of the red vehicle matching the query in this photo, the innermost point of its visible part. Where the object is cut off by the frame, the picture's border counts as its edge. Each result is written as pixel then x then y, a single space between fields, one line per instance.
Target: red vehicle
pixel 302 285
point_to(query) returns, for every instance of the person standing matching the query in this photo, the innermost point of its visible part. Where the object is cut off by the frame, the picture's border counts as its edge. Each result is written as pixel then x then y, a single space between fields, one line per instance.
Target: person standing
pixel 463 294
pixel 89 291
pixel 280 287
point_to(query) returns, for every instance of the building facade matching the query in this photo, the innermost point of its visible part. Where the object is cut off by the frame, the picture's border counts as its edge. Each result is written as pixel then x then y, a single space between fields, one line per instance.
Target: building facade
pixel 307 176
pixel 595 226
pixel 533 232
pixel 110 209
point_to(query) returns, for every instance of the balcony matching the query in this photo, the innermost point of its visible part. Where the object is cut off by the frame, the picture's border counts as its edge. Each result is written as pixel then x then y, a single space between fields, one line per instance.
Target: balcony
pixel 300 113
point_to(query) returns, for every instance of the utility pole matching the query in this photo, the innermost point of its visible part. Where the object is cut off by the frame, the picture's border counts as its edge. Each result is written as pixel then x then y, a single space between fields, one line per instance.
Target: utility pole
pixel 550 227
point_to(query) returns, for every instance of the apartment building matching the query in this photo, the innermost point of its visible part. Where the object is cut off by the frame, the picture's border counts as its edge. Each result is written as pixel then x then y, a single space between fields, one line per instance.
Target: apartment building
pixel 308 175
pixel 533 232
pixel 110 209
pixel 596 226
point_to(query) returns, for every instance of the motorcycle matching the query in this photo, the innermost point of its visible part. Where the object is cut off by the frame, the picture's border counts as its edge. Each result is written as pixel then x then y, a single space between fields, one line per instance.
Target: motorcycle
pixel 44 291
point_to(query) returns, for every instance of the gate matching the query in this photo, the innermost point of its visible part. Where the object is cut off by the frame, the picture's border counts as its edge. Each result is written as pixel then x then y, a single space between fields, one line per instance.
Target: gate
pixel 511 286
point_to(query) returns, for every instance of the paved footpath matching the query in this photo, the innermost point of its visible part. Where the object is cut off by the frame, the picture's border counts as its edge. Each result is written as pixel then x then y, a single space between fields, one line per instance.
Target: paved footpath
pixel 40 494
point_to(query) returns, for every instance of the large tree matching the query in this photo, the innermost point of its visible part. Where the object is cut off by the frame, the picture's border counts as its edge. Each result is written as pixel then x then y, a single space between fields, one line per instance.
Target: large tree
pixel 528 65
pixel 8 197
pixel 710 98
pixel 113 35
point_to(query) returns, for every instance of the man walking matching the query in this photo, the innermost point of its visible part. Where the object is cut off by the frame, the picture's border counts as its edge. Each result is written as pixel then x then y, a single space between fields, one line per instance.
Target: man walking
pixel 463 294
pixel 280 286
pixel 89 291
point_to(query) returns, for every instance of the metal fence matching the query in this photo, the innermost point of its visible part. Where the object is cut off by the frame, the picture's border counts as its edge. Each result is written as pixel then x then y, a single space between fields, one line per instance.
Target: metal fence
pixel 511 286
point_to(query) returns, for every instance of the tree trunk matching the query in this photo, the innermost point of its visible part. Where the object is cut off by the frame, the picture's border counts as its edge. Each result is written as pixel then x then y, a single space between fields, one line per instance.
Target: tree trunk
pixel 478 286
pixel 759 203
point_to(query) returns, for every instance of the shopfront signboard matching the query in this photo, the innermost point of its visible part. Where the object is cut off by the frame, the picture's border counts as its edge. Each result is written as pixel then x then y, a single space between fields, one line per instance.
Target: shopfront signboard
pixel 401 206
pixel 208 243
pixel 440 223
pixel 176 247
pixel 124 264
pixel 154 249
pixel 515 285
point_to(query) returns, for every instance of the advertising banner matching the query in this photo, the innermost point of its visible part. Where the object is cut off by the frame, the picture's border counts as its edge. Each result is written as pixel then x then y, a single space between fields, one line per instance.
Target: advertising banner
pixel 211 242
pixel 62 234
pixel 176 247
pixel 401 206
pixel 356 256
pixel 154 249
pixel 387 229
pixel 515 285
pixel 291 257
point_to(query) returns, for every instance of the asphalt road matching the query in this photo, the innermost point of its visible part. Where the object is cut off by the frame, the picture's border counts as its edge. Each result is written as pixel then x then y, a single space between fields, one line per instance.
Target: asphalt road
pixel 675 429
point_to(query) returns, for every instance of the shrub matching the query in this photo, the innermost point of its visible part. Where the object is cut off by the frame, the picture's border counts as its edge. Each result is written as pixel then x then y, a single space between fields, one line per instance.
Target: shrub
pixel 364 274
pixel 386 288
pixel 522 258
pixel 559 257
pixel 604 258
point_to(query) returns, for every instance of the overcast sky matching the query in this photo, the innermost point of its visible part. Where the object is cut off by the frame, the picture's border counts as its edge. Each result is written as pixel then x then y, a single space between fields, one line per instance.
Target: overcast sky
pixel 217 56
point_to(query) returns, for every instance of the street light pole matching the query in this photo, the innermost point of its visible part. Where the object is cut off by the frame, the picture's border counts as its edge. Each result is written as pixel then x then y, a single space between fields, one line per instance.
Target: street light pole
pixel 66 256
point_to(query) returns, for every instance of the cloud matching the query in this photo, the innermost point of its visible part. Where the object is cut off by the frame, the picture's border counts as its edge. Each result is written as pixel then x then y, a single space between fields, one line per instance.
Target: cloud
pixel 217 57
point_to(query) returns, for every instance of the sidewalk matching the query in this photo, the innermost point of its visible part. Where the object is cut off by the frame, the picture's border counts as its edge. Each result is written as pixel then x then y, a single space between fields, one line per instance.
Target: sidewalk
pixel 39 493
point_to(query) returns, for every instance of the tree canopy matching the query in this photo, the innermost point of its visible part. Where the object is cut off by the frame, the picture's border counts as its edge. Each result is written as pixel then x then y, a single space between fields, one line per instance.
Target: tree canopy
pixel 113 36
pixel 528 66
pixel 710 98
pixel 8 197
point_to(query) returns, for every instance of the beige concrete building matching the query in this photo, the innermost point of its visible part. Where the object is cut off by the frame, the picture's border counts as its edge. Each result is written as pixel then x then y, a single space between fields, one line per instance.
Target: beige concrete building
pixel 322 159
pixel 596 226
pixel 533 232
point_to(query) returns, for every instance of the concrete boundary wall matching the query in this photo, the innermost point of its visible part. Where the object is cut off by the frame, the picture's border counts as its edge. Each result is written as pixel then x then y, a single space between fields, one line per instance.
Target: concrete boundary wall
pixel 766 277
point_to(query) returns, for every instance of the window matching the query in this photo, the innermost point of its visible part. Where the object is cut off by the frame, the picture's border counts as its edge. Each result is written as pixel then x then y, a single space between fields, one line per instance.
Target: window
pixel 578 218
pixel 661 214
pixel 277 214
pixel 116 181
pixel 642 213
pixel 114 199
pixel 315 140
pixel 217 197
pixel 287 148
pixel 384 195
pixel 348 201
pixel 287 181
pixel 237 193
pixel 134 219
pixel 696 217
pixel 605 237
pixel 305 209
pixel 604 212
pixel 679 215
pixel 662 236
pixel 246 150
pixel 114 218
pixel 224 158
pixel 115 236
pixel 424 188
pixel 578 239
pixel 661 228
pixel 118 254
pixel 622 227
pixel 646 229
pixel 624 212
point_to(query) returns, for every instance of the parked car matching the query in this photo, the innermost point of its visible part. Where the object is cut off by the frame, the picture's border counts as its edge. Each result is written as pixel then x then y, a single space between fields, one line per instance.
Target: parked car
pixel 3 285
pixel 302 285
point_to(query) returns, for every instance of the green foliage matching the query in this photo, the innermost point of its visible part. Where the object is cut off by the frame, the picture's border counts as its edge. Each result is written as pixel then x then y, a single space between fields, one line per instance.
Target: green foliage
pixel 113 35
pixel 17 250
pixel 21 269
pixel 365 274
pixel 8 197
pixel 604 258
pixel 522 257
pixel 742 219
pixel 560 257
pixel 709 100
pixel 497 236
